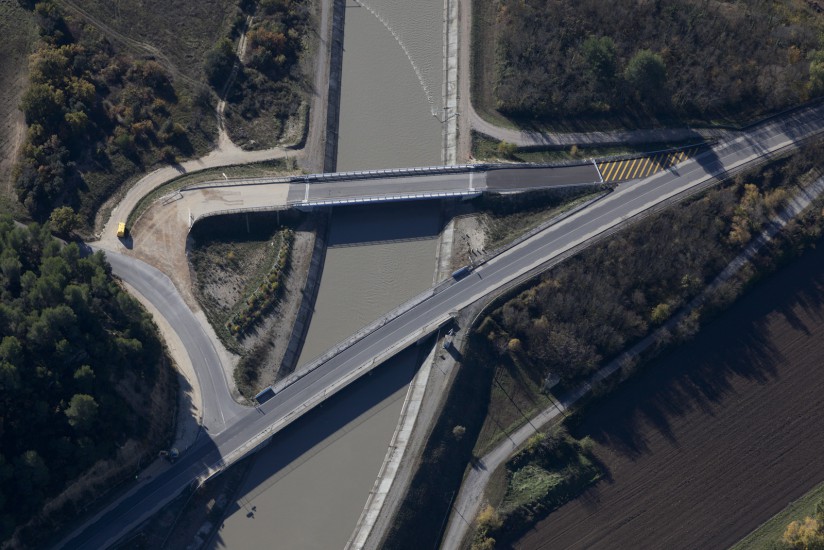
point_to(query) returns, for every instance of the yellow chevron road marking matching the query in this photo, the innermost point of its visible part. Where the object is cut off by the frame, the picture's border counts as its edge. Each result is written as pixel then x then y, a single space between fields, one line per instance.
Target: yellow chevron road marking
pixel 642 167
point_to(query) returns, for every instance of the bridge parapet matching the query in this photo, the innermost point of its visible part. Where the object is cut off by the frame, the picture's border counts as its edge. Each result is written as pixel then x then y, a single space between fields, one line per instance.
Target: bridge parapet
pixel 382 198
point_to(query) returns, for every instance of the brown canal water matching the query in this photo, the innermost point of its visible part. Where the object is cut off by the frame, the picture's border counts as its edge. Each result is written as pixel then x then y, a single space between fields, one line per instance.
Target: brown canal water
pixel 378 257
pixel 392 85
pixel 307 489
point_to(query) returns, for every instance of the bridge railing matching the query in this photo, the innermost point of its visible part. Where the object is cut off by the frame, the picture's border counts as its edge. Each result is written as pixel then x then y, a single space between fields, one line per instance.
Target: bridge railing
pixel 382 198
pixel 360 334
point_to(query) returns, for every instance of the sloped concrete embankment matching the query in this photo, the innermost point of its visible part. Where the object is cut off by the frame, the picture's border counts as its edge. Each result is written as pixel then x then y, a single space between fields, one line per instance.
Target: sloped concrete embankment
pixel 308 295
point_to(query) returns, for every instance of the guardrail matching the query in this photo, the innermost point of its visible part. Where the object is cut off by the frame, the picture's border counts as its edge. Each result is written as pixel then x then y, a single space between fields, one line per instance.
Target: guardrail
pixel 260 438
pixel 383 198
pixel 360 334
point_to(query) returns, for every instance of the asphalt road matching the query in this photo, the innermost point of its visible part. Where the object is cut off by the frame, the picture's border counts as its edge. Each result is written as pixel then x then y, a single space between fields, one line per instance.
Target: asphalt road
pixel 627 201
pixel 496 179
pixel 507 179
pixel 219 409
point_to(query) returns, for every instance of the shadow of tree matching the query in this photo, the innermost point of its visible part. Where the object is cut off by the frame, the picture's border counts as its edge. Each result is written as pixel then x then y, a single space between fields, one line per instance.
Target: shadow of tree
pixel 700 374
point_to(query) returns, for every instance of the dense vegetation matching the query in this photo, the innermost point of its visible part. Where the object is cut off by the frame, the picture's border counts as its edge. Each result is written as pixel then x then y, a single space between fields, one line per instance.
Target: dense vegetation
pixel 592 307
pixel 552 468
pixel 96 116
pixel 268 88
pixel 76 353
pixel 688 59
pixel 589 308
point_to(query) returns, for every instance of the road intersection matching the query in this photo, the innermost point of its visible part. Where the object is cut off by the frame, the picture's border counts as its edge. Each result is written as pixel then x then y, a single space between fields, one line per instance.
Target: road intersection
pixel 233 430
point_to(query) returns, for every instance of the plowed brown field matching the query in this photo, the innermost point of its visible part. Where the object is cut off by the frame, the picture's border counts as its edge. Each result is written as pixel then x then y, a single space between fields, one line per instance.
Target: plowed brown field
pixel 715 438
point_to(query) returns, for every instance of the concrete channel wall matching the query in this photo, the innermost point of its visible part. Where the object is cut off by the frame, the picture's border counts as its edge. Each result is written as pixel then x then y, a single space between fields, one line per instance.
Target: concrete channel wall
pixel 308 296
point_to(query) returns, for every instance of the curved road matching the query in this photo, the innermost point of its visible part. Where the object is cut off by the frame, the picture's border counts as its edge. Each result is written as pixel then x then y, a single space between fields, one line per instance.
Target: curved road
pixel 210 453
pixel 219 409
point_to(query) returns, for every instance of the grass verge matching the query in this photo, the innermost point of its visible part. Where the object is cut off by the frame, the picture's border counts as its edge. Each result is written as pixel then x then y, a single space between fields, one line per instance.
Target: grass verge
pixel 770 533
pixel 490 149
pixel 507 218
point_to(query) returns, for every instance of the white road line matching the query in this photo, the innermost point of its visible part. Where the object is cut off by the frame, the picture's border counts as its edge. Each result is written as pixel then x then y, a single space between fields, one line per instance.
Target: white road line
pixel 600 177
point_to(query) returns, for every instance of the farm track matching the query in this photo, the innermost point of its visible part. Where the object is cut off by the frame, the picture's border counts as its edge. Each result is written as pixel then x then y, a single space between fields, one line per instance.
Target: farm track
pixel 142 48
pixel 713 439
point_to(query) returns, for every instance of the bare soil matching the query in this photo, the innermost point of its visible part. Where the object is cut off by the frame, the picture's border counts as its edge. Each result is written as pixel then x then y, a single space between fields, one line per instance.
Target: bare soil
pixel 712 440
pixel 222 280
pixel 469 238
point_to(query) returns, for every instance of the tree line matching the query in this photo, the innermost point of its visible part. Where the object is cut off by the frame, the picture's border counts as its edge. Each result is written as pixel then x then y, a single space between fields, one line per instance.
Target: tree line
pixel 73 347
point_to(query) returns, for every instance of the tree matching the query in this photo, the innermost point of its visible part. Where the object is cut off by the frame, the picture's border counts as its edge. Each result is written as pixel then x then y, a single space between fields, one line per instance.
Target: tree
pixel 805 535
pixel 660 313
pixel 488 519
pixel 817 73
pixel 647 73
pixel 219 62
pixel 84 376
pixel 43 104
pixel 65 220
pixel 506 149
pixel 82 412
pixel 485 543
pixel 599 53
pixel 458 432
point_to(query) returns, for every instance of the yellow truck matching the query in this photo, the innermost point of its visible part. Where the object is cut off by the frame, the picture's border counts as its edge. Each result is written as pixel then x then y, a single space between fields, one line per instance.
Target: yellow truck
pixel 121 230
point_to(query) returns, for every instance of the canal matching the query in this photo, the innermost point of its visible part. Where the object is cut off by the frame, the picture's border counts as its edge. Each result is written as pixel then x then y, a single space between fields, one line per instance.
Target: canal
pixel 308 487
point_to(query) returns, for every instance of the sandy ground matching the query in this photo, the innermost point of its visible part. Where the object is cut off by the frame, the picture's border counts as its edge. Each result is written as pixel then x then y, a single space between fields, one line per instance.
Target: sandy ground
pixel 159 235
pixel 224 286
pixel 159 239
pixel 470 239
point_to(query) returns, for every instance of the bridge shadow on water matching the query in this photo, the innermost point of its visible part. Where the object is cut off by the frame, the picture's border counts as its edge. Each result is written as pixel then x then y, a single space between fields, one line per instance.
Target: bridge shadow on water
pixel 312 435
pixel 390 222
pixel 731 355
